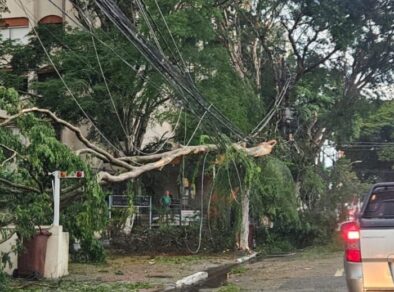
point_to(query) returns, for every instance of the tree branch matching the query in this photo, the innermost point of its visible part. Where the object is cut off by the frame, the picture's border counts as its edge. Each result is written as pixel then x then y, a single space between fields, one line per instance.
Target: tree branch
pixel 321 61
pixel 166 158
pixel 300 61
pixel 9 158
pixel 154 161
pixel 74 129
pixel 91 151
pixel 18 186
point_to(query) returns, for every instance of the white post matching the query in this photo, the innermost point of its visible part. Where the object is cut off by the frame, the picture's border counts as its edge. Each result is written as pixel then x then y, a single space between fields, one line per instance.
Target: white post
pixel 56 198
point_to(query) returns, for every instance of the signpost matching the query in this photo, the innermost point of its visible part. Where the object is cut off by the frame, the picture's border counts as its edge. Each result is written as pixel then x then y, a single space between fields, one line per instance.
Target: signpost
pixel 57 253
pixel 57 175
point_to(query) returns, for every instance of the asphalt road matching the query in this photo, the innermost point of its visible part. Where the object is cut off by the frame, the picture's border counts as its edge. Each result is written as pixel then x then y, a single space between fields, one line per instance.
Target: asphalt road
pixel 299 272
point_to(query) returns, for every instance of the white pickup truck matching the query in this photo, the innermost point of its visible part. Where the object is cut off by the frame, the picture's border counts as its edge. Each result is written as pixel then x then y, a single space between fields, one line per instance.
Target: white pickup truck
pixel 369 242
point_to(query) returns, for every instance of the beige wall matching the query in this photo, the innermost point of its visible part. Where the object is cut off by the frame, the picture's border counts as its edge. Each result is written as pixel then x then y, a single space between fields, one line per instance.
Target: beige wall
pixel 37 9
pixel 9 247
pixel 155 131
pixel 57 255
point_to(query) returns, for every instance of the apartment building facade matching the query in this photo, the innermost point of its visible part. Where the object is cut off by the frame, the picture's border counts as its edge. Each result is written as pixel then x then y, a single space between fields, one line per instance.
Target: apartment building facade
pixel 22 15
pixel 18 22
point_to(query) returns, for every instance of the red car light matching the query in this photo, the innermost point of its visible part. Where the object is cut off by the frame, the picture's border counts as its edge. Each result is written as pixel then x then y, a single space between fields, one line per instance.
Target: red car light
pixel 350 230
pixel 353 255
pixel 351 234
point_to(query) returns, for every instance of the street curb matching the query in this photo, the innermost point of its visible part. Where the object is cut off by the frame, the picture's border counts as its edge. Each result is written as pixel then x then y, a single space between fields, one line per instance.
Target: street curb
pixel 246 258
pixel 200 276
pixel 192 279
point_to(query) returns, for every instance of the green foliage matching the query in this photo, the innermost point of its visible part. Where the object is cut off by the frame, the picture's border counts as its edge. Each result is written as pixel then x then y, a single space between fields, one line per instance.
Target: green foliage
pixel 26 185
pixel 239 62
pixel 373 148
pixel 229 288
pixel 4 281
pixel 272 191
pixel 345 188
pixel 178 260
pixel 312 186
pixel 275 243
pixel 120 215
pixel 81 58
pixel 323 196
pixel 386 154
pixel 275 191
pixel 378 125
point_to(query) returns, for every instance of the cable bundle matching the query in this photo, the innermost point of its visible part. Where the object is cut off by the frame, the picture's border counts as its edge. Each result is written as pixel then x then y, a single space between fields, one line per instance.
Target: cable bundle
pixel 192 99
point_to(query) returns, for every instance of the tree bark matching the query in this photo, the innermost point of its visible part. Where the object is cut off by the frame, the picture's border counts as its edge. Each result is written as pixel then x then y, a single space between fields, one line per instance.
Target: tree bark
pixel 244 234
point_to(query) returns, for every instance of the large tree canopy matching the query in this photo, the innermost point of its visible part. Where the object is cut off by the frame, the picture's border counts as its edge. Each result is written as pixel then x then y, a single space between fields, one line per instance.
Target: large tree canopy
pixel 296 71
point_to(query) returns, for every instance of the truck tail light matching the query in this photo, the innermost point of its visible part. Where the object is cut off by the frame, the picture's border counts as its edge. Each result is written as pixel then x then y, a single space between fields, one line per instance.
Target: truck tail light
pixel 351 235
pixel 353 255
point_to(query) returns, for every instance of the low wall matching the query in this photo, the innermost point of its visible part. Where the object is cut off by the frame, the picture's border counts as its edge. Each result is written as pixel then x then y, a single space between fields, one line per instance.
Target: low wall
pixel 57 254
pixel 9 247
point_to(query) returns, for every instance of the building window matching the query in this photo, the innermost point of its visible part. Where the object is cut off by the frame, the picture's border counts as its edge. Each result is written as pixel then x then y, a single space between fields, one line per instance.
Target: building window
pixel 18 34
pixel 51 19
pixel 15 29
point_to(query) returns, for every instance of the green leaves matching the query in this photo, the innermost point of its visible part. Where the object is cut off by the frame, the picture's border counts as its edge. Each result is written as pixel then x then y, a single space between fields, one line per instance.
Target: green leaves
pixel 9 100
pixel 379 124
pixel 26 186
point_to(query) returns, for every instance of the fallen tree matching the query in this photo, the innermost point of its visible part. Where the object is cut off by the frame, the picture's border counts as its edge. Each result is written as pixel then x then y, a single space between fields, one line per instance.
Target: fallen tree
pixel 127 167
pixel 133 166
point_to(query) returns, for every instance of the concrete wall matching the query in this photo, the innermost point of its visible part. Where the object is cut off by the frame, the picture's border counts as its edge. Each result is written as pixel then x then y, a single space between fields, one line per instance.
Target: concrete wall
pixel 57 254
pixel 155 131
pixel 37 9
pixel 9 247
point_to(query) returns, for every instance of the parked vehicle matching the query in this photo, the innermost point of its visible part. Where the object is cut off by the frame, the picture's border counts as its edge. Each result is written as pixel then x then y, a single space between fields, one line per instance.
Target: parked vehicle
pixel 369 242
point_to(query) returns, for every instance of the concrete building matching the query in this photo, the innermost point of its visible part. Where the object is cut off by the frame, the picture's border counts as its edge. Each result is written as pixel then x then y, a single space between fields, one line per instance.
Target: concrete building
pixel 18 22
pixel 23 14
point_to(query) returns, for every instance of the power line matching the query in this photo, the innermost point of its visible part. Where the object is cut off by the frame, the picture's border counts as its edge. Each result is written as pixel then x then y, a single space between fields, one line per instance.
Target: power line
pixel 94 36
pixel 62 79
pixel 172 38
pixel 84 61
pixel 151 31
pixel 107 87
pixel 163 38
pixel 127 63
pixel 99 63
pixel 175 86
pixel 73 51
pixel 160 63
pixel 267 118
pixel 166 140
pixel 183 69
pixel 198 125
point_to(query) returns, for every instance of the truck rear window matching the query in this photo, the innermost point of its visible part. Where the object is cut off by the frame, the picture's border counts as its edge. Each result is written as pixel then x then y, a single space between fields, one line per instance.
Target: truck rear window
pixel 380 204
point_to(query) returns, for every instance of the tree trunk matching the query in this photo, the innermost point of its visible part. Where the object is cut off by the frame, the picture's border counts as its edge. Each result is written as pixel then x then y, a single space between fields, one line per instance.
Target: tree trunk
pixel 244 236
